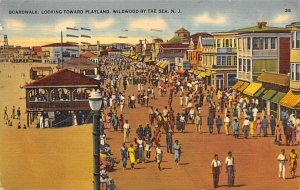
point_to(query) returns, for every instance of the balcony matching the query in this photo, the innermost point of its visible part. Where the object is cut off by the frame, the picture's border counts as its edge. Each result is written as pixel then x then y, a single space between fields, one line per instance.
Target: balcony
pixel 244 53
pixel 244 76
pixel 265 53
pixel 226 50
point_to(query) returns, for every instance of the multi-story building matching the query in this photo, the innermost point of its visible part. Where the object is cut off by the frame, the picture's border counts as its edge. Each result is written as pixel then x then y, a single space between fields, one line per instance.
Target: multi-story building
pixel 52 52
pixel 194 54
pixel 291 102
pixel 219 59
pixel 262 48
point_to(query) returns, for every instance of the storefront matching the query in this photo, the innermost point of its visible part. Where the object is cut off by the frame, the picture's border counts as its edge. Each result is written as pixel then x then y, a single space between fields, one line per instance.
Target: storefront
pixel 274 106
pixel 266 100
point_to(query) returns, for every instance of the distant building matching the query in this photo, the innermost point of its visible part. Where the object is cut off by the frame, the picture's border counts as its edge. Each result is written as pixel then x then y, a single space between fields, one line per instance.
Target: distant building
pixel 91 56
pixel 82 66
pixel 181 36
pixel 52 52
pixel 219 59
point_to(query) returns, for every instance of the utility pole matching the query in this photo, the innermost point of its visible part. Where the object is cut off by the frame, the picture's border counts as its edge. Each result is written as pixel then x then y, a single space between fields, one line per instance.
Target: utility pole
pixel 61 49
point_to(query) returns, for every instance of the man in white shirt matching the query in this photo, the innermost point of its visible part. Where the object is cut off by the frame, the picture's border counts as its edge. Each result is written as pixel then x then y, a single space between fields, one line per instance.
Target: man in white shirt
pixel 229 162
pixel 246 125
pixel 126 128
pixel 226 124
pixel 254 111
pixel 216 170
pixel 282 160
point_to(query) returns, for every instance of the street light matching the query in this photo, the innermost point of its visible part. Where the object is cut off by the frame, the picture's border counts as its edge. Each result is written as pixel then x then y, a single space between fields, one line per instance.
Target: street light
pixel 95 102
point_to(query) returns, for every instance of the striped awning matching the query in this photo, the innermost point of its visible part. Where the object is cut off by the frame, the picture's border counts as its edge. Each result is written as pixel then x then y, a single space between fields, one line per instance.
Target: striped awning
pixel 269 94
pixel 243 87
pixel 237 85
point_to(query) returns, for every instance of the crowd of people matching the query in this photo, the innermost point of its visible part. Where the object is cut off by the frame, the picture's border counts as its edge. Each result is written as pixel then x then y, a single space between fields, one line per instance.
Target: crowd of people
pixel 229 113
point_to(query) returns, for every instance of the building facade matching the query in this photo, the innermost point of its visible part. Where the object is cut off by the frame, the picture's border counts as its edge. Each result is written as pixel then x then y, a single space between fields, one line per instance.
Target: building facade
pixel 52 52
pixel 262 48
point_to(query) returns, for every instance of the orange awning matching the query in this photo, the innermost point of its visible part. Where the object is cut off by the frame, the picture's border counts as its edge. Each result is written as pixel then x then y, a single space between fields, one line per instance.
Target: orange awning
pixel 180 71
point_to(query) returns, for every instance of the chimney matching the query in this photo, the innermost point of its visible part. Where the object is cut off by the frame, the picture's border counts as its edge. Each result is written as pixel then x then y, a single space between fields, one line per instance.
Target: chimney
pixel 261 24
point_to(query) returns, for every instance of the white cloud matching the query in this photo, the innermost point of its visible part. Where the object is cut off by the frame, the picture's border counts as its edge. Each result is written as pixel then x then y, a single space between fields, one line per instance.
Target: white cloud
pixel 60 26
pixel 206 18
pixel 103 24
pixel 14 24
pixel 147 24
pixel 281 19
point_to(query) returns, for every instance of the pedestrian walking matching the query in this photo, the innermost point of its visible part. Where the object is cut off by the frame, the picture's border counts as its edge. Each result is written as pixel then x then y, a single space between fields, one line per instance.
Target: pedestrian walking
pixel 230 169
pixel 198 122
pixel 126 131
pixel 210 123
pixel 177 151
pixel 246 124
pixel 216 170
pixel 264 126
pixel 131 152
pixel 293 163
pixel 140 143
pixel 169 140
pixel 278 137
pixel 159 156
pixel 282 162
pixel 235 127
pixel 272 125
pixel 226 124
pixel 124 155
pixel 219 124
pixel 148 148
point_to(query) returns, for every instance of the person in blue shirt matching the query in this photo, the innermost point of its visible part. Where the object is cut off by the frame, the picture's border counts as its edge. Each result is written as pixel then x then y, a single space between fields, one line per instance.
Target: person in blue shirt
pixel 264 126
pixel 235 127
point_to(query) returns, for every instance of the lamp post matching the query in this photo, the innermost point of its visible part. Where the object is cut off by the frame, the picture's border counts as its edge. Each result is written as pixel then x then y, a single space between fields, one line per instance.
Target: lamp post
pixel 95 102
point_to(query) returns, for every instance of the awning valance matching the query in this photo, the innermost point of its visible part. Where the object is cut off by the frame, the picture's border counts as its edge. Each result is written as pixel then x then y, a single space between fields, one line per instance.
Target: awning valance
pixel 252 88
pixel 200 69
pixel 291 100
pixel 276 99
pixel 269 94
pixel 243 87
pixel 237 85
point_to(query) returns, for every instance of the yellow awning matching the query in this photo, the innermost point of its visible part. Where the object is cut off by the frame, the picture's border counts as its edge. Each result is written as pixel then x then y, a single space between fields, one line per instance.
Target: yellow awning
pixel 199 76
pixel 291 100
pixel 147 59
pixel 237 85
pixel 191 71
pixel 208 73
pixel 202 74
pixel 159 63
pixel 196 72
pixel 243 87
pixel 164 65
pixel 252 88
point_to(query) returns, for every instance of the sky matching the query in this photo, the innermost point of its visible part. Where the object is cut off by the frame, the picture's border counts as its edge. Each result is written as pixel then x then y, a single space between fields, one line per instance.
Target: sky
pixel 195 16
